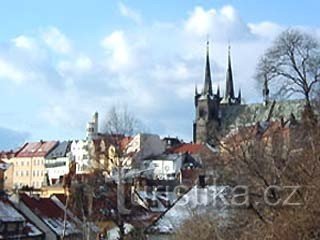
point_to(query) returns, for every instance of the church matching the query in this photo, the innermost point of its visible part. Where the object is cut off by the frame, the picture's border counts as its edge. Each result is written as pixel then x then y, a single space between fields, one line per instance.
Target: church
pixel 216 114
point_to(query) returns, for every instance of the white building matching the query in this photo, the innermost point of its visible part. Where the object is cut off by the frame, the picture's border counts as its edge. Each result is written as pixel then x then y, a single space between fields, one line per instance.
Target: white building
pixel 145 145
pixel 80 154
pixel 57 162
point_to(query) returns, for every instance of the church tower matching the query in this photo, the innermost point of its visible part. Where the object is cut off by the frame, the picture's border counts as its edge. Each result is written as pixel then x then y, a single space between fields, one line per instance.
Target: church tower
pixel 207 107
pixel 210 107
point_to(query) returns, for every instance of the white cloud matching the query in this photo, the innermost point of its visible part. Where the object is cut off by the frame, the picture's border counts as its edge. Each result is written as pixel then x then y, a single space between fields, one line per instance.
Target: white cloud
pixel 265 29
pixel 24 42
pixel 129 13
pixel 57 41
pixel 118 51
pixel 9 71
pixel 79 65
pixel 220 25
pixel 153 70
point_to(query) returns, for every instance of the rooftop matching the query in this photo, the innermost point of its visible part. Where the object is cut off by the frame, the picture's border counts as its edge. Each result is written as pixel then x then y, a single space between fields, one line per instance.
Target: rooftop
pixel 50 213
pixel 248 114
pixel 8 213
pixel 190 148
pixel 60 150
pixel 37 149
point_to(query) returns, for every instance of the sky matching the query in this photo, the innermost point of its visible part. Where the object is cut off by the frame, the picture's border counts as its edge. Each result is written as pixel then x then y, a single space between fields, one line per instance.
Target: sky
pixel 60 61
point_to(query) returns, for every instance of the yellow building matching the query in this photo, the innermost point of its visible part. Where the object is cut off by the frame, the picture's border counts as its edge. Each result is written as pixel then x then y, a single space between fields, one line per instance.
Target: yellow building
pixel 29 164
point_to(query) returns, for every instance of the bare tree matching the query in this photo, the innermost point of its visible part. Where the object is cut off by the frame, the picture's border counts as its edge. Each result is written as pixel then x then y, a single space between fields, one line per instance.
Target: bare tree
pixel 291 65
pixel 120 121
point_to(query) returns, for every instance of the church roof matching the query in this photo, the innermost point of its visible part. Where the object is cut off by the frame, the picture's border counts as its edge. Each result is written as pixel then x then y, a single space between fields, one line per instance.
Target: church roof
pixel 248 114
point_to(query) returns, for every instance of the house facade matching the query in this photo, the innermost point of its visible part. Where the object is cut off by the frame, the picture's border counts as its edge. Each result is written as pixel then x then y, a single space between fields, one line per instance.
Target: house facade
pixel 29 164
pixel 57 162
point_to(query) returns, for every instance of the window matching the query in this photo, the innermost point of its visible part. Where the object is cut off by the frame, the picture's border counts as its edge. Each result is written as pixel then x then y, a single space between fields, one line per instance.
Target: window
pixel 17 173
pixel 11 227
pixel 22 163
pixel 38 173
pixel 34 173
pixel 27 173
pixel 21 173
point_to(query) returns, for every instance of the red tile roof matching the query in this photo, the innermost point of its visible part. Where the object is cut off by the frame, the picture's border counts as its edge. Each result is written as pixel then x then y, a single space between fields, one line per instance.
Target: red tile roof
pixel 43 207
pixel 61 197
pixel 37 149
pixel 190 148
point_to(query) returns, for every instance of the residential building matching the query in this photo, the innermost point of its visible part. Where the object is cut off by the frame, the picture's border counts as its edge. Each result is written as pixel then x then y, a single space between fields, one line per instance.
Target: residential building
pixel 15 225
pixel 98 153
pixel 171 142
pixel 80 154
pixel 144 145
pixel 3 167
pixel 57 162
pixel 47 216
pixel 29 164
pixel 168 166
pixel 6 157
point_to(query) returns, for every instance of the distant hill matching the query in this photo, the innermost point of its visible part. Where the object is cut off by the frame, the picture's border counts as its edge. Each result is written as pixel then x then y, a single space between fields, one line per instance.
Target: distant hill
pixel 11 139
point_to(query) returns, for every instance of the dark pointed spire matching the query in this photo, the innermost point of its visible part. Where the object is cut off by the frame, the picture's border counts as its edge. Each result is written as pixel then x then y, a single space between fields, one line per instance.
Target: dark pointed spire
pixel 196 90
pixel 207 89
pixel 229 79
pixel 218 91
pixel 239 96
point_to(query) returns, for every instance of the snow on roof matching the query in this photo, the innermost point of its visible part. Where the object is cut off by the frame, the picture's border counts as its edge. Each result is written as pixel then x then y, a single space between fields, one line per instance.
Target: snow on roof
pixel 9 214
pixel 33 230
pixel 196 201
pixel 47 210
pixel 113 234
pixel 159 197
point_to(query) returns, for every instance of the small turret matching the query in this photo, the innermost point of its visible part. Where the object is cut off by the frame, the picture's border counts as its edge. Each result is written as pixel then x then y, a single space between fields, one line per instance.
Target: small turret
pixel 218 92
pixel 239 96
pixel 92 127
pixel 196 96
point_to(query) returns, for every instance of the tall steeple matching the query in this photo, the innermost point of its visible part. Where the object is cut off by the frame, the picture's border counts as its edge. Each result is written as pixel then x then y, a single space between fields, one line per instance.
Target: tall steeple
pixel 229 79
pixel 207 80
